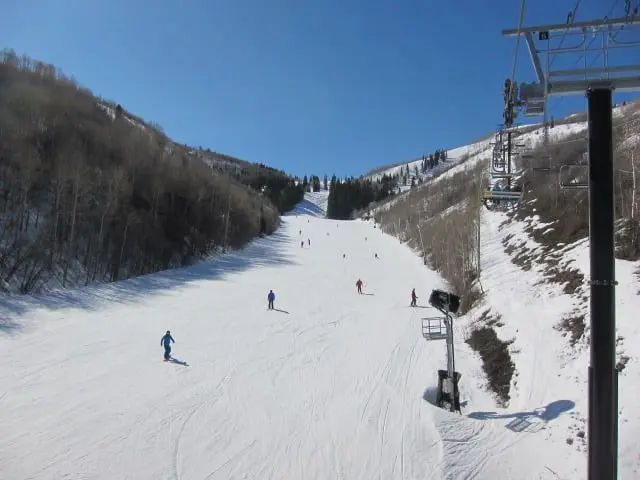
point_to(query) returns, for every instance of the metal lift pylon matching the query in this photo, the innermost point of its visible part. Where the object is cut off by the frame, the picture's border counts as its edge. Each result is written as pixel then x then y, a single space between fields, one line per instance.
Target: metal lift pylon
pixel 598 83
pixel 441 328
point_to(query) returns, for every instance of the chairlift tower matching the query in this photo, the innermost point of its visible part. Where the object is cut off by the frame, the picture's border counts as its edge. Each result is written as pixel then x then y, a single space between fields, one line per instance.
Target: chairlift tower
pixel 441 328
pixel 598 83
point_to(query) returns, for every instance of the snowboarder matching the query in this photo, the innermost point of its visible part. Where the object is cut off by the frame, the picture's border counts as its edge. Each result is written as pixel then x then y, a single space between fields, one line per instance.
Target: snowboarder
pixel 359 285
pixel 271 297
pixel 413 297
pixel 166 343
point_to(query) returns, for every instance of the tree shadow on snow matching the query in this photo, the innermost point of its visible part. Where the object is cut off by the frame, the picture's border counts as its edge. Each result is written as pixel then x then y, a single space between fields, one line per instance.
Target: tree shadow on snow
pixel 529 421
pixel 305 207
pixel 7 325
pixel 261 252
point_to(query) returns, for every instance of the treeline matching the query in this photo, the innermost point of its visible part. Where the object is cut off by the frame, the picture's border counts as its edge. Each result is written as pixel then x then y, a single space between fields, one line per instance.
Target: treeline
pixel 427 162
pixel 352 195
pixel 283 190
pixel 312 183
pixel 88 194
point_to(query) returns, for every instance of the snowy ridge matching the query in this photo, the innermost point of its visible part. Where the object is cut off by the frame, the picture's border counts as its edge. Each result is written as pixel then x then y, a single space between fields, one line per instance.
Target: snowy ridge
pixel 469 155
pixel 454 156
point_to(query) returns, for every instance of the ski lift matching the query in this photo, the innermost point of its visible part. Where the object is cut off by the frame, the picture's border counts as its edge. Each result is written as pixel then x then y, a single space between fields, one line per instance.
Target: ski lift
pixel 532 96
pixel 534 108
pixel 543 162
pixel 507 195
pixel 434 328
pixel 572 181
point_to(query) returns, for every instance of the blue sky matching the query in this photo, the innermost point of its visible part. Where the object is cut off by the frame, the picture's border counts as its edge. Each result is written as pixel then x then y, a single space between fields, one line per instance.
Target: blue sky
pixel 311 86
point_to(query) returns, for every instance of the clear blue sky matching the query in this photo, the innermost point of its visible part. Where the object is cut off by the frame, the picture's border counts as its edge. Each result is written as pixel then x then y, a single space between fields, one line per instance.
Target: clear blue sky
pixel 308 86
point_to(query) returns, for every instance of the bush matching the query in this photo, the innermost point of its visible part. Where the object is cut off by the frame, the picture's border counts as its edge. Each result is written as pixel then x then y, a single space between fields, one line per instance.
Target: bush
pixel 496 360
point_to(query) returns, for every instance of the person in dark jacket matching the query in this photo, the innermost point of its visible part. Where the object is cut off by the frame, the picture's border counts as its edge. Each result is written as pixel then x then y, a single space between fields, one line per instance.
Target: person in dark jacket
pixel 413 297
pixel 359 285
pixel 271 297
pixel 166 343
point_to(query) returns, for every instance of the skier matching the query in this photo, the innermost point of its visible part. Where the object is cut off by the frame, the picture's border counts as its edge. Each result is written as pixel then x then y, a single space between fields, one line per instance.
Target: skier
pixel 302 244
pixel 271 297
pixel 166 342
pixel 413 297
pixel 309 240
pixel 359 285
pixel 375 256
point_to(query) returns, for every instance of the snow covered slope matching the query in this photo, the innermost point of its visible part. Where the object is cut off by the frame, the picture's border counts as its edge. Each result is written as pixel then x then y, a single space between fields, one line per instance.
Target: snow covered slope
pixel 455 156
pixel 467 155
pixel 331 384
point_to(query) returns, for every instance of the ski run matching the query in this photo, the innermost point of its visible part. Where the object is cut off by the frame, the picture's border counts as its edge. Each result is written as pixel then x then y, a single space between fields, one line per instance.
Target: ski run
pixel 330 384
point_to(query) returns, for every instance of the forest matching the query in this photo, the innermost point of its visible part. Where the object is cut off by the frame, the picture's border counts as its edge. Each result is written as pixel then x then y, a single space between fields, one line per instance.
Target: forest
pixel 91 193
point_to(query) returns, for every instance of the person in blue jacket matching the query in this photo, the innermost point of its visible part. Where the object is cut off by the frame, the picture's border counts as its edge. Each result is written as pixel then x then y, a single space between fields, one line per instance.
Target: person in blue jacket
pixel 271 297
pixel 166 342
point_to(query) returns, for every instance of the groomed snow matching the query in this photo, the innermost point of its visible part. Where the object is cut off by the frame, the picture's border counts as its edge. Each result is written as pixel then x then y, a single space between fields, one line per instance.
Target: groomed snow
pixel 330 385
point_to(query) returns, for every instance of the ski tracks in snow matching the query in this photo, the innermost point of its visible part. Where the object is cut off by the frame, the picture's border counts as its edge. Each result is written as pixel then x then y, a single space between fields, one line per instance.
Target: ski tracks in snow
pixel 176 442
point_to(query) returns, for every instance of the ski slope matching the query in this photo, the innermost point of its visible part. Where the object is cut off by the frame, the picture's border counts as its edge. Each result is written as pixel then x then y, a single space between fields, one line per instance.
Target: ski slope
pixel 330 385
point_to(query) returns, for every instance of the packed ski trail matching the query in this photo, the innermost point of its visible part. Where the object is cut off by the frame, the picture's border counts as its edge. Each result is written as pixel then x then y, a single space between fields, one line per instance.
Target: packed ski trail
pixel 328 385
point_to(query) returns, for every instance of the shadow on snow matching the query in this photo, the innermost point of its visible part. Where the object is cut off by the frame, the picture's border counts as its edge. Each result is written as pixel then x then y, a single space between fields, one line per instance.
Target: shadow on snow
pixel 261 252
pixel 178 361
pixel 305 207
pixel 529 421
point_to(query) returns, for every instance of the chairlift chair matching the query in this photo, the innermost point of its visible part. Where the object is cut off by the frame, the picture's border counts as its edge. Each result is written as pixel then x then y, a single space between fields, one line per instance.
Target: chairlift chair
pixel 534 108
pixel 572 182
pixel 543 160
pixel 501 195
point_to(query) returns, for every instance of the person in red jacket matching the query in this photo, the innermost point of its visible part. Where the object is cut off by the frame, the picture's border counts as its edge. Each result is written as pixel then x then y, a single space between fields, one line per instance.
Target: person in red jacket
pixel 413 297
pixel 359 285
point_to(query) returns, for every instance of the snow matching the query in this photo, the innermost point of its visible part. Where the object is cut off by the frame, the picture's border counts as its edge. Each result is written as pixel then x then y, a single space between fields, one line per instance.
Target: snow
pixel 331 385
pixel 454 156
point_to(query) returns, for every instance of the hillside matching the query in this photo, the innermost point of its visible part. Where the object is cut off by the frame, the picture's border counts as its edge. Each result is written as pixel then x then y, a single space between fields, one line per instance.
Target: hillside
pixel 90 192
pixel 331 384
pixel 522 270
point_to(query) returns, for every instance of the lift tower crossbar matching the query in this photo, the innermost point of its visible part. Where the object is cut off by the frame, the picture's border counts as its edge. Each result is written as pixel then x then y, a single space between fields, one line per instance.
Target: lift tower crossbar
pixel 598 84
